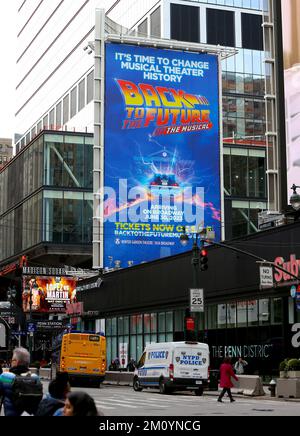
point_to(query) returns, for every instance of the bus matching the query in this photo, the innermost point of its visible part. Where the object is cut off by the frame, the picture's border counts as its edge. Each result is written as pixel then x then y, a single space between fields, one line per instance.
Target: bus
pixel 83 356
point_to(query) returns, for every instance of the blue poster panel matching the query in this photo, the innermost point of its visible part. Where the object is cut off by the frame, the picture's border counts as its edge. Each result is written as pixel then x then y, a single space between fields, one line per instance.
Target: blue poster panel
pixel 162 151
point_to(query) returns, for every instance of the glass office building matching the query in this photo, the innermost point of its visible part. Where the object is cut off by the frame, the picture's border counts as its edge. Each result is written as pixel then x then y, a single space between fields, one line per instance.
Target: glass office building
pixel 46 197
pixel 55 80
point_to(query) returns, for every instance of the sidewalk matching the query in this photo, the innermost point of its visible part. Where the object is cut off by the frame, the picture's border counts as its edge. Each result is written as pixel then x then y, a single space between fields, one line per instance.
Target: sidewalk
pixel 263 397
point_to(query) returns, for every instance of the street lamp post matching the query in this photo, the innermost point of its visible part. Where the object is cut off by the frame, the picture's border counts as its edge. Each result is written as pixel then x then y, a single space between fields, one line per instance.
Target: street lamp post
pixel 11 295
pixel 196 262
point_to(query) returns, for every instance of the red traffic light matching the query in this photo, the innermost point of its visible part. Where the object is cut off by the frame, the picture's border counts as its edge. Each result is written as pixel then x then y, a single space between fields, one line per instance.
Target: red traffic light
pixel 203 259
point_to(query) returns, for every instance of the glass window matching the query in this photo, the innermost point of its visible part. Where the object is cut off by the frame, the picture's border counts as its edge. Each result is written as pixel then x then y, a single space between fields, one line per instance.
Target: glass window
pixel 252 32
pixel 291 310
pixel 155 28
pixel 153 322
pixel 90 87
pixel 161 337
pixel 120 326
pixel 239 175
pixel 133 324
pixel 58 115
pixel 169 321
pixel 139 345
pixel 72 217
pixel 66 109
pixel 114 349
pixel 264 311
pixel 73 109
pixel 139 323
pixel 108 327
pixel 169 337
pixel 220 27
pixel 146 323
pixel 240 222
pixel 252 307
pixel 114 326
pixel 161 322
pixel 221 316
pixel 51 118
pixel 132 351
pixel 276 311
pixel 231 315
pixel 241 313
pixel 185 23
pixel 126 325
pixel 179 320
pixel 45 123
pixel 147 340
pixel 211 317
pixel 81 94
pixel 53 216
pixel 143 28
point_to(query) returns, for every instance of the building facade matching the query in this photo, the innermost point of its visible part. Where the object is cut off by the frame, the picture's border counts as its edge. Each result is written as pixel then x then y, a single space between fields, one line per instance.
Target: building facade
pixel 46 201
pixel 148 303
pixel 6 151
pixel 56 74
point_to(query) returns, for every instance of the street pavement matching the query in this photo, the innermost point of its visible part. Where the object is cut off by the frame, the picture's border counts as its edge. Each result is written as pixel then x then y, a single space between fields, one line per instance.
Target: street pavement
pixel 113 400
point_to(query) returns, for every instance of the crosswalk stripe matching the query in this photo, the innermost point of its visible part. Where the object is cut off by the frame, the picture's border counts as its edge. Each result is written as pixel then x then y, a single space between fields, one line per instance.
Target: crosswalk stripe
pixel 119 403
pixel 159 399
pixel 102 406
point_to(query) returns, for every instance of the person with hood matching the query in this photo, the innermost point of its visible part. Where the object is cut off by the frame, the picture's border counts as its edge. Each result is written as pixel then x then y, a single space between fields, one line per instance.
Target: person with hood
pixel 55 399
pixel 19 369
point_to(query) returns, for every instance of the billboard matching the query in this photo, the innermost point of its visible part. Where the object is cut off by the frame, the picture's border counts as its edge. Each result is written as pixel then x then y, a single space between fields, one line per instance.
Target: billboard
pixel 48 294
pixel 161 151
pixel 291 50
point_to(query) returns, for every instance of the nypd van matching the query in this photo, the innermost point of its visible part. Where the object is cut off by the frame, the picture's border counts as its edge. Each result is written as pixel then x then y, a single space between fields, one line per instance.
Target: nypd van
pixel 171 366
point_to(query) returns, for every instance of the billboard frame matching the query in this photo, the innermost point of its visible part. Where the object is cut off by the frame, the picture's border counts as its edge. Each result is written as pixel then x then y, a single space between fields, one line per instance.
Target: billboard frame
pixel 101 38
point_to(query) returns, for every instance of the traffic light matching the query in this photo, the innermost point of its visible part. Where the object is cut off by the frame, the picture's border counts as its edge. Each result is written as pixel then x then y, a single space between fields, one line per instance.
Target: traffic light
pixel 189 326
pixel 203 259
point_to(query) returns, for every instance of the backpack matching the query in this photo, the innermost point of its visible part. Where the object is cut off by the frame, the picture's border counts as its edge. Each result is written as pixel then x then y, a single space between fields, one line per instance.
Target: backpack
pixel 26 393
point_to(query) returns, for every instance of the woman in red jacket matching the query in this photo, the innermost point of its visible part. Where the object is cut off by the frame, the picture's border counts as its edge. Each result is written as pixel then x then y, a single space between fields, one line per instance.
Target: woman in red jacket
pixel 226 372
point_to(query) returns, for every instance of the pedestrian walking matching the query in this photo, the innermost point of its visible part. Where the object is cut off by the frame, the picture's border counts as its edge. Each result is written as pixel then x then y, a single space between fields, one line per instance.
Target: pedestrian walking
pixel 80 404
pixel 20 390
pixel 54 401
pixel 226 372
pixel 239 366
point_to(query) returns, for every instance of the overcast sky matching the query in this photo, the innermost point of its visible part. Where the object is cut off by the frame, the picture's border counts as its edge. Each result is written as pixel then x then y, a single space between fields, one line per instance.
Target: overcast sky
pixel 7 70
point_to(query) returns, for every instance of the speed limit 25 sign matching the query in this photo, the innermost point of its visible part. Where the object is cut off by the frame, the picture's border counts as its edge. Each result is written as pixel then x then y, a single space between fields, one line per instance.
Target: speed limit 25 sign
pixel 196 300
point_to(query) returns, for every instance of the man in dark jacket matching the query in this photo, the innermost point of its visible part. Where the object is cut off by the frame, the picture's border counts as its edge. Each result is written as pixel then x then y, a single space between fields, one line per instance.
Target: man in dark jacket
pixel 58 390
pixel 19 366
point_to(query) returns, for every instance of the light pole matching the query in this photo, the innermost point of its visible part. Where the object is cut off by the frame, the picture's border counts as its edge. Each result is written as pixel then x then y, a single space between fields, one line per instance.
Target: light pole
pixel 199 263
pixel 11 295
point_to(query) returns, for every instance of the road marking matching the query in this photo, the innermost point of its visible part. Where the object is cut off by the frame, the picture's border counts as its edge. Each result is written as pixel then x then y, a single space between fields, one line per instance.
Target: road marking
pixel 120 403
pixel 102 405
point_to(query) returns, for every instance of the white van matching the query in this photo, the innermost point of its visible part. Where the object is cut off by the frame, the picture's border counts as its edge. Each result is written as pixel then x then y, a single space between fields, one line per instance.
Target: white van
pixel 172 366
